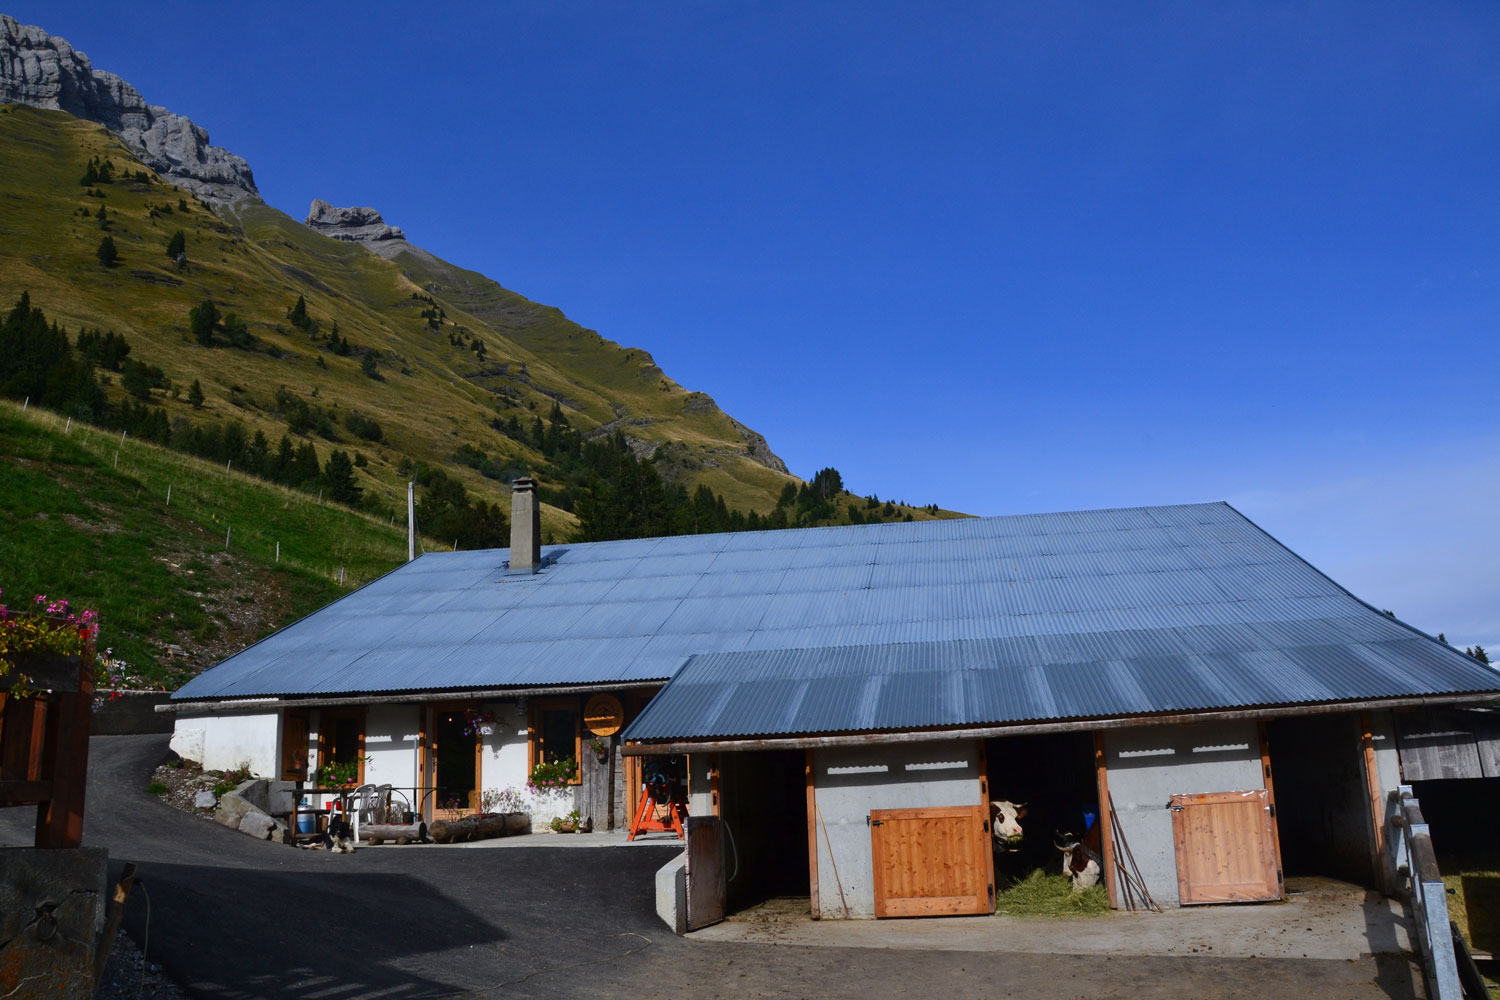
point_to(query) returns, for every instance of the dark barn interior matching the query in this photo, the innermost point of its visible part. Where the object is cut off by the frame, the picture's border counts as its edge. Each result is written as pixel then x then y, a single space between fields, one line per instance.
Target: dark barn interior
pixel 1053 774
pixel 763 803
pixel 1322 801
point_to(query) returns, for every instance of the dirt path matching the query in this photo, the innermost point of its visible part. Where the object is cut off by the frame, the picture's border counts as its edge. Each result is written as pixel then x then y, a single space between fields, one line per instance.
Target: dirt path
pixel 233 918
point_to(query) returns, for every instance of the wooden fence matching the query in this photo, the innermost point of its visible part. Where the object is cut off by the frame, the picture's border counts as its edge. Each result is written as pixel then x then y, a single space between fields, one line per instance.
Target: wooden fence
pixel 44 745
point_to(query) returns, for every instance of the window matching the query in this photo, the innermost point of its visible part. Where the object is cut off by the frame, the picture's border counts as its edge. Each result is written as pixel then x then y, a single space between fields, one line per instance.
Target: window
pixel 556 731
pixel 341 738
pixel 294 745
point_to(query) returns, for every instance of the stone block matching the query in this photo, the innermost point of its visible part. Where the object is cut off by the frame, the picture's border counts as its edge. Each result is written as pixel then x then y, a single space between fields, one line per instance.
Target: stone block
pixel 258 825
pixel 204 800
pixel 232 808
pixel 671 893
pixel 51 915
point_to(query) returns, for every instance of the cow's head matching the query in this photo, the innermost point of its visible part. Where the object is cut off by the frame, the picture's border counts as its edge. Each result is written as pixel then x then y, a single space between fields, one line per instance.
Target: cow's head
pixel 1005 824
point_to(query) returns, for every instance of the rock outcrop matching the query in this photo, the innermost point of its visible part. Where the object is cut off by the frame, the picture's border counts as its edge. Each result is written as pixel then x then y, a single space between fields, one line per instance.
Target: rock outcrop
pixel 44 71
pixel 352 225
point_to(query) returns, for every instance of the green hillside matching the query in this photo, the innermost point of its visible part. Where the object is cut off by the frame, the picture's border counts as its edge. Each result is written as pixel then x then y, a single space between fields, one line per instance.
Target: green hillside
pixel 89 519
pixel 435 390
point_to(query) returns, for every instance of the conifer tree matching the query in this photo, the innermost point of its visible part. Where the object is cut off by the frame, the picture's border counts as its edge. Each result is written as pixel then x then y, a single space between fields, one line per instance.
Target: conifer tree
pixel 195 395
pixel 107 254
pixel 177 245
pixel 204 319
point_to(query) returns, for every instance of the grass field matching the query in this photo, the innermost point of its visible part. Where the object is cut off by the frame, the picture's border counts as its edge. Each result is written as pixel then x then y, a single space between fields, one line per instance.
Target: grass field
pixel 88 518
pixel 1473 882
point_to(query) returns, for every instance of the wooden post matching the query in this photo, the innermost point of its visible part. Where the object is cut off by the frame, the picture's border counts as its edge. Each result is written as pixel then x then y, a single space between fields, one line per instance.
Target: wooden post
pixel 810 773
pixel 1377 801
pixel 112 922
pixel 1106 825
pixel 1265 768
pixel 65 759
pixel 984 802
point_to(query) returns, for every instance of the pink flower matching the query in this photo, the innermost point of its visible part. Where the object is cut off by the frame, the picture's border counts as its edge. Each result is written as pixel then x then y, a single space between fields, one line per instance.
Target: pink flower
pixel 39 598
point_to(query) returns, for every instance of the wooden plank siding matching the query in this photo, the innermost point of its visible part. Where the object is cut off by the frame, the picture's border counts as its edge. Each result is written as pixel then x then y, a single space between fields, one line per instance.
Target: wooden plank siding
pixel 1436 744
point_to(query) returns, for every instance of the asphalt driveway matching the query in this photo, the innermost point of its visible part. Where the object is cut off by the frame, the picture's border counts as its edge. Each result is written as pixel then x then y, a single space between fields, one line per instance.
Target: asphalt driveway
pixel 236 918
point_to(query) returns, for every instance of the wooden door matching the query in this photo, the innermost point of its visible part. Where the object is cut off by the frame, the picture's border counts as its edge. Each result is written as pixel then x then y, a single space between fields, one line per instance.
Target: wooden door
pixel 705 871
pixel 1226 848
pixel 932 862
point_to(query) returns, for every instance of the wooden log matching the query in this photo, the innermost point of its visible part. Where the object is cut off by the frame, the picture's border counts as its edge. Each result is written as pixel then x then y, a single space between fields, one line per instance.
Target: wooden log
pixel 401 833
pixel 479 827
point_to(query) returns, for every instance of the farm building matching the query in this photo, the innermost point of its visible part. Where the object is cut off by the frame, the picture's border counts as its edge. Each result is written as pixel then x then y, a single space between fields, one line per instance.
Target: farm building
pixel 848 700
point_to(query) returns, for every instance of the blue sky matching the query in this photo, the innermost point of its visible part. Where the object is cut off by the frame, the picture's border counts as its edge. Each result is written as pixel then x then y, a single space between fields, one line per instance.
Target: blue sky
pixel 1004 258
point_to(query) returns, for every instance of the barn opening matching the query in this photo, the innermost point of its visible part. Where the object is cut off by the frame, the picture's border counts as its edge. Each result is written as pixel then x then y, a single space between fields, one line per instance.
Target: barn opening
pixel 1054 775
pixel 763 805
pixel 1322 798
pixel 455 774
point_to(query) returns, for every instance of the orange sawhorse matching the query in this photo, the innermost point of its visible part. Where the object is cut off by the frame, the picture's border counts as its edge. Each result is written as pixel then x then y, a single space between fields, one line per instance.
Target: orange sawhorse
pixel 658 794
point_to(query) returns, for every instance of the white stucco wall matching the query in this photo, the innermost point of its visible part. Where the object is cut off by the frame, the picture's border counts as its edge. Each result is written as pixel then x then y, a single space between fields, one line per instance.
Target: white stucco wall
pixel 850 782
pixel 1148 765
pixel 224 742
pixel 506 765
pixel 391 736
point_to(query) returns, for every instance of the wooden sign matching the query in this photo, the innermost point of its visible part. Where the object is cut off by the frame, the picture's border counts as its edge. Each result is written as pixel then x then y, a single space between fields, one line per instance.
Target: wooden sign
pixel 604 715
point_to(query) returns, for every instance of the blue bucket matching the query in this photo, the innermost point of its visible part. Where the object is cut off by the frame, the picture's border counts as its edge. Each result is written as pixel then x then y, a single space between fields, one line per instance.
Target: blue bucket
pixel 306 822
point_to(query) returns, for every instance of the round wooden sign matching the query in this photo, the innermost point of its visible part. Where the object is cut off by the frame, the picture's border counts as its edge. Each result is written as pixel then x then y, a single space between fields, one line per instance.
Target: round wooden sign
pixel 604 715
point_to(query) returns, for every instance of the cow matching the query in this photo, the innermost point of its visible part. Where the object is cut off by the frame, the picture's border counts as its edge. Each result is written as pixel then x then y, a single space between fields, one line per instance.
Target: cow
pixel 1080 857
pixel 1005 825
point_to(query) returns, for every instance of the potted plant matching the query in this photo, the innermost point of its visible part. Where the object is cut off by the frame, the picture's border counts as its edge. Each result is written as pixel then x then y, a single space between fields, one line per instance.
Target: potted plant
pixel 39 647
pixel 566 824
pixel 552 775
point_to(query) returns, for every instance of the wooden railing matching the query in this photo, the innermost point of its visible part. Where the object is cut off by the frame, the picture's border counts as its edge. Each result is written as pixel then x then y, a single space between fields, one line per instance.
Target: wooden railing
pixel 44 746
pixel 1423 887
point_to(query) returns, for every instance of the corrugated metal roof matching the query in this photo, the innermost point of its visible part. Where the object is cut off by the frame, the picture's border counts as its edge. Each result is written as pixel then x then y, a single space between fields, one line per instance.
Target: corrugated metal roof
pixel 945 621
pixel 1026 679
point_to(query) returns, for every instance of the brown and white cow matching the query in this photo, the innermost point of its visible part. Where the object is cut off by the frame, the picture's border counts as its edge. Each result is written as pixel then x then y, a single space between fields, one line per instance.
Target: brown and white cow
pixel 1005 824
pixel 1080 857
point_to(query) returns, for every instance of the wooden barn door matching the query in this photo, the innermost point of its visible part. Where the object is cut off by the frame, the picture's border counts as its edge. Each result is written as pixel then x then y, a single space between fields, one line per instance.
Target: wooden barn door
pixel 932 862
pixel 705 871
pixel 1226 848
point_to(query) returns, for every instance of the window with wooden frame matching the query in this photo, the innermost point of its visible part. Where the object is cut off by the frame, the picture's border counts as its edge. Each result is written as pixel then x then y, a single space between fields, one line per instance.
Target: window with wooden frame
pixel 341 738
pixel 294 745
pixel 556 728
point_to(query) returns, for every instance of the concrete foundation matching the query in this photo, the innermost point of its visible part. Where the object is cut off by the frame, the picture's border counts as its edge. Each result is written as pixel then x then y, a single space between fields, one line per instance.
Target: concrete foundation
pixel 51 917
pixel 671 893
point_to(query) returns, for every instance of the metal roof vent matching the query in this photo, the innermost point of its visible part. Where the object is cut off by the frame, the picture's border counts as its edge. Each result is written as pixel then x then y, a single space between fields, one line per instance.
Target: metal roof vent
pixel 525 527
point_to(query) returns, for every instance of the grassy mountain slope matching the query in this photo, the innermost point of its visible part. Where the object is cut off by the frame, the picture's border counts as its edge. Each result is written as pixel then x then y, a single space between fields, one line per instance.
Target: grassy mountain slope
pixel 432 395
pixel 89 519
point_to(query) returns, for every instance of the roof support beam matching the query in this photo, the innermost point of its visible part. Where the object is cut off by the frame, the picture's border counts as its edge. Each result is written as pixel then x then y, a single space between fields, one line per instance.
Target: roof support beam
pixel 637 749
pixel 399 697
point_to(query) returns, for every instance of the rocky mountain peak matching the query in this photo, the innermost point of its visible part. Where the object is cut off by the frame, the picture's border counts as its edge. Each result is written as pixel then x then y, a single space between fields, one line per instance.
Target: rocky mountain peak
pixel 353 225
pixel 44 71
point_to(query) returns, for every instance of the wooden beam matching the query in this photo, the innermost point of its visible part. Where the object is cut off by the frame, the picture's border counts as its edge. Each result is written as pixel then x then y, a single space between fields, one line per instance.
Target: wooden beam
pixel 984 802
pixel 812 833
pixel 1376 800
pixel 224 705
pixel 21 738
pixel 24 793
pixel 1265 768
pixel 886 737
pixel 59 820
pixel 1106 825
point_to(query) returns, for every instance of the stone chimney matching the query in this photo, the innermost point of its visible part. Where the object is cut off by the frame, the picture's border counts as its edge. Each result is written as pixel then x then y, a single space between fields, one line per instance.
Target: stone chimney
pixel 525 527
